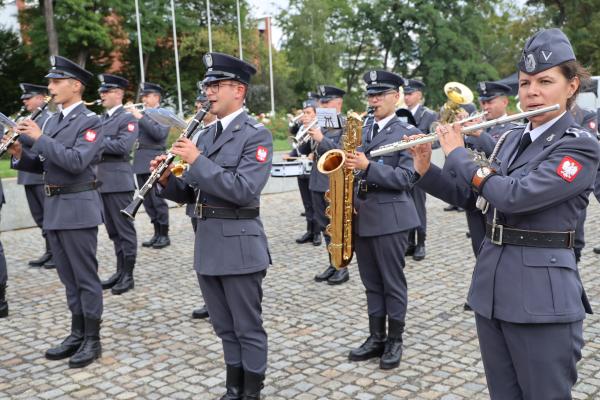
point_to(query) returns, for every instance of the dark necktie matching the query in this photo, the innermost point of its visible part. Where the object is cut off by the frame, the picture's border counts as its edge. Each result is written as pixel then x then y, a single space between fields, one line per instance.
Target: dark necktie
pixel 218 131
pixel 525 141
pixel 60 117
pixel 375 130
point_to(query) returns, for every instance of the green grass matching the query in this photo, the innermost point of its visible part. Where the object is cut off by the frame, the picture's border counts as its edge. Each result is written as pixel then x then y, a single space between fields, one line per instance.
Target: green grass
pixel 281 145
pixel 5 170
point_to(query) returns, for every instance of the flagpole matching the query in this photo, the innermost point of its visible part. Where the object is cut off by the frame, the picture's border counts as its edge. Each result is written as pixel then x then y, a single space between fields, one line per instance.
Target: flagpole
pixel 209 28
pixel 139 38
pixel 239 23
pixel 176 59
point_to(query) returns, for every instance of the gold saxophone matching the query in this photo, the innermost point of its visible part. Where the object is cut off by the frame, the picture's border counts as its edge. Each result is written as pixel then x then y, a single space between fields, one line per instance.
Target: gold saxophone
pixel 341 193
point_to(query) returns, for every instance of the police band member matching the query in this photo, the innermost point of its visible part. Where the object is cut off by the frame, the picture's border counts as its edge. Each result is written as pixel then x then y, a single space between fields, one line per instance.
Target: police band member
pixel 67 154
pixel 33 97
pixel 190 210
pixel 229 167
pixel 526 292
pixel 324 140
pixel 152 141
pixel 313 231
pixel 120 131
pixel 493 99
pixel 424 117
pixel 385 214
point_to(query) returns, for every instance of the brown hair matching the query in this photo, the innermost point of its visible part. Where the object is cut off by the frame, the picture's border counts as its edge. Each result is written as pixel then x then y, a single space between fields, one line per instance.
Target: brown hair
pixel 570 70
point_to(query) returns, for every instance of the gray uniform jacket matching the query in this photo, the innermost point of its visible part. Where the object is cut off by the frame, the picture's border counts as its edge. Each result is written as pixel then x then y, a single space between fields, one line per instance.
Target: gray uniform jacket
pixel 152 141
pixel 202 135
pixel 424 117
pixel 588 120
pixel 320 182
pixel 28 178
pixel 387 207
pixel 488 138
pixel 544 189
pixel 230 173
pixel 120 132
pixel 67 154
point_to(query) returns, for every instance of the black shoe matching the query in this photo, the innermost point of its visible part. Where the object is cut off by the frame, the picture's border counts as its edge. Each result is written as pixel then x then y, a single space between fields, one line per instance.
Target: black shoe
pixel 303 214
pixel 114 278
pixel 316 239
pixel 69 346
pixel 38 262
pixel 323 276
pixel 340 276
pixel 253 384
pixel 460 209
pixel 234 383
pixel 3 303
pixel 50 264
pixel 451 208
pixel 91 348
pixel 468 234
pixel 306 238
pixel 163 238
pixel 150 242
pixel 597 250
pixel 200 313
pixel 393 346
pixel 419 253
pixel 410 250
pixel 126 282
pixel 375 343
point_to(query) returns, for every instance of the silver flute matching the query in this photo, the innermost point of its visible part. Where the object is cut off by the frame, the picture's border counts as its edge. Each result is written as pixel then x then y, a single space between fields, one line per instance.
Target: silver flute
pixel 432 137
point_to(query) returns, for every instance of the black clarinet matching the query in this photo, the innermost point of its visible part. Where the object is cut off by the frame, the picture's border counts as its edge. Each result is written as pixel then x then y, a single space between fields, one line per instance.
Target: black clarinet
pixel 138 199
pixel 15 136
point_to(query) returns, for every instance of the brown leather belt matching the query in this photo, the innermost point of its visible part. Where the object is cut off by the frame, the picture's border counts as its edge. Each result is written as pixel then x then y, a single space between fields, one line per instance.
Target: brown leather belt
pixel 500 234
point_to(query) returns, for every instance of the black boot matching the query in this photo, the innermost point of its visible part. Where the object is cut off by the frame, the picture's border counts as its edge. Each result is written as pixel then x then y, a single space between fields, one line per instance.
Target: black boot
pixel 3 303
pixel 393 346
pixel 50 264
pixel 410 250
pixel 234 383
pixel 126 282
pixel 163 237
pixel 375 343
pixel 451 207
pixel 44 258
pixel 114 278
pixel 200 313
pixel 597 249
pixel 316 239
pixel 150 242
pixel 340 276
pixel 90 349
pixel 419 253
pixel 69 346
pixel 253 384
pixel 308 235
pixel 323 276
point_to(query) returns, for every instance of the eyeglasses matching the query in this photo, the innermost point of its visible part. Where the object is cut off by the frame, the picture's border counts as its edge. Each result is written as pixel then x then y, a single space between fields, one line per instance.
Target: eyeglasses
pixel 379 96
pixel 214 87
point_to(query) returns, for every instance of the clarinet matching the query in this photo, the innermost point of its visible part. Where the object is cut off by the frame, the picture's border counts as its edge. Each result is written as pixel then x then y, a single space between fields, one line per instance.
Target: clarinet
pixel 138 199
pixel 15 136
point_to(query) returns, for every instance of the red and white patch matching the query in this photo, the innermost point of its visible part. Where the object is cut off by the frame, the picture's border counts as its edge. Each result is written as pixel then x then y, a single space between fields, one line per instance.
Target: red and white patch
pixel 262 153
pixel 90 135
pixel 568 169
pixel 131 127
pixel 592 125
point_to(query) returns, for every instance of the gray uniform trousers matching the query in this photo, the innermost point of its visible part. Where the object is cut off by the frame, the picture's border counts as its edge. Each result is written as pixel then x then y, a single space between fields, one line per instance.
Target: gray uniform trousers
pixel 156 207
pixel 35 199
pixel 120 230
pixel 546 354
pixel 236 300
pixel 75 253
pixel 3 271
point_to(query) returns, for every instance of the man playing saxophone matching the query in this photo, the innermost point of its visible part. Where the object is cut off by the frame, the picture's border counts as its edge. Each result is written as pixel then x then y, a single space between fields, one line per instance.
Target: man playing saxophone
pixel 385 213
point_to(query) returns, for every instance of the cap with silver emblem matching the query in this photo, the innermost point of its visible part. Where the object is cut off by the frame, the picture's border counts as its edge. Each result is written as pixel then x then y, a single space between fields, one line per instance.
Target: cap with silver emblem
pixel 326 93
pixel 489 90
pixel 545 49
pixel 109 81
pixel 221 67
pixel 29 90
pixel 63 68
pixel 382 81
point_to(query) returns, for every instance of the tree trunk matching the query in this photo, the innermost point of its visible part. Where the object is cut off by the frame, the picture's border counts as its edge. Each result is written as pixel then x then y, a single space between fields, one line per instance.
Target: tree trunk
pixel 50 30
pixel 82 57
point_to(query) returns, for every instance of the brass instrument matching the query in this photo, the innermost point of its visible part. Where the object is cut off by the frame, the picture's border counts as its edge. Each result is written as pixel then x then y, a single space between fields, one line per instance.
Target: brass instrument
pixel 293 120
pixel 458 95
pixel 302 136
pixel 139 106
pixel 96 102
pixel 15 136
pixel 432 137
pixel 340 194
pixel 179 168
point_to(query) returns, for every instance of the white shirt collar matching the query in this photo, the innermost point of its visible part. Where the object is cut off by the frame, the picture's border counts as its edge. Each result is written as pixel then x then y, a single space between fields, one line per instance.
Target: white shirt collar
pixel 383 122
pixel 537 132
pixel 65 111
pixel 112 110
pixel 414 109
pixel 225 121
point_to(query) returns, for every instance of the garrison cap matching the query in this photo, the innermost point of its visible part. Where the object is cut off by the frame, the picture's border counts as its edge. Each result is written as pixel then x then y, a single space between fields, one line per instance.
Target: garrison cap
pixel 63 68
pixel 490 90
pixel 414 85
pixel 382 81
pixel 326 93
pixel 29 90
pixel 109 81
pixel 149 87
pixel 220 67
pixel 545 49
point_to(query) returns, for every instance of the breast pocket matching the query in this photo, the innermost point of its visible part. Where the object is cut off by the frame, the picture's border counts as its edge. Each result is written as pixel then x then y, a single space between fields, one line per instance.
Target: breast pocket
pixel 227 160
pixel 244 241
pixel 551 284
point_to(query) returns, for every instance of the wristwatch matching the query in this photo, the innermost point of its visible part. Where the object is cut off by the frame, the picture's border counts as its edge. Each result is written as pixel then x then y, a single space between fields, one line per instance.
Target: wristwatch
pixel 481 176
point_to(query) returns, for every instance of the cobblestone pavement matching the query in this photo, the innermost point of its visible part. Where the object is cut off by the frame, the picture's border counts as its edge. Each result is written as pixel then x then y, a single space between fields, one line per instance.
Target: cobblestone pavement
pixel 154 350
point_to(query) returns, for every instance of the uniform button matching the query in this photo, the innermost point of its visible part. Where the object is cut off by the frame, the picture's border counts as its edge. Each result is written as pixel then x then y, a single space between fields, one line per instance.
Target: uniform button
pixel 453 173
pixel 553 260
pixel 204 200
pixel 243 230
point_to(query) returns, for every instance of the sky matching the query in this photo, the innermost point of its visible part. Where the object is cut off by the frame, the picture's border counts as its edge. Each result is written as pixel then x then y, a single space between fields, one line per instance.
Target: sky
pixel 259 8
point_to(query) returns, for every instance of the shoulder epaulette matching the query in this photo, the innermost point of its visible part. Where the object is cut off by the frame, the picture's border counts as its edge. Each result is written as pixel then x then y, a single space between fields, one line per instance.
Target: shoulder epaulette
pixel 577 132
pixel 91 114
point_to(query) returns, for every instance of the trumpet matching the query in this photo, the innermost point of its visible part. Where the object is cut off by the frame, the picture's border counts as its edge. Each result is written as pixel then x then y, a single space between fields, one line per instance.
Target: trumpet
pixel 139 106
pixel 138 199
pixel 302 136
pixel 96 102
pixel 293 120
pixel 15 136
pixel 432 137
